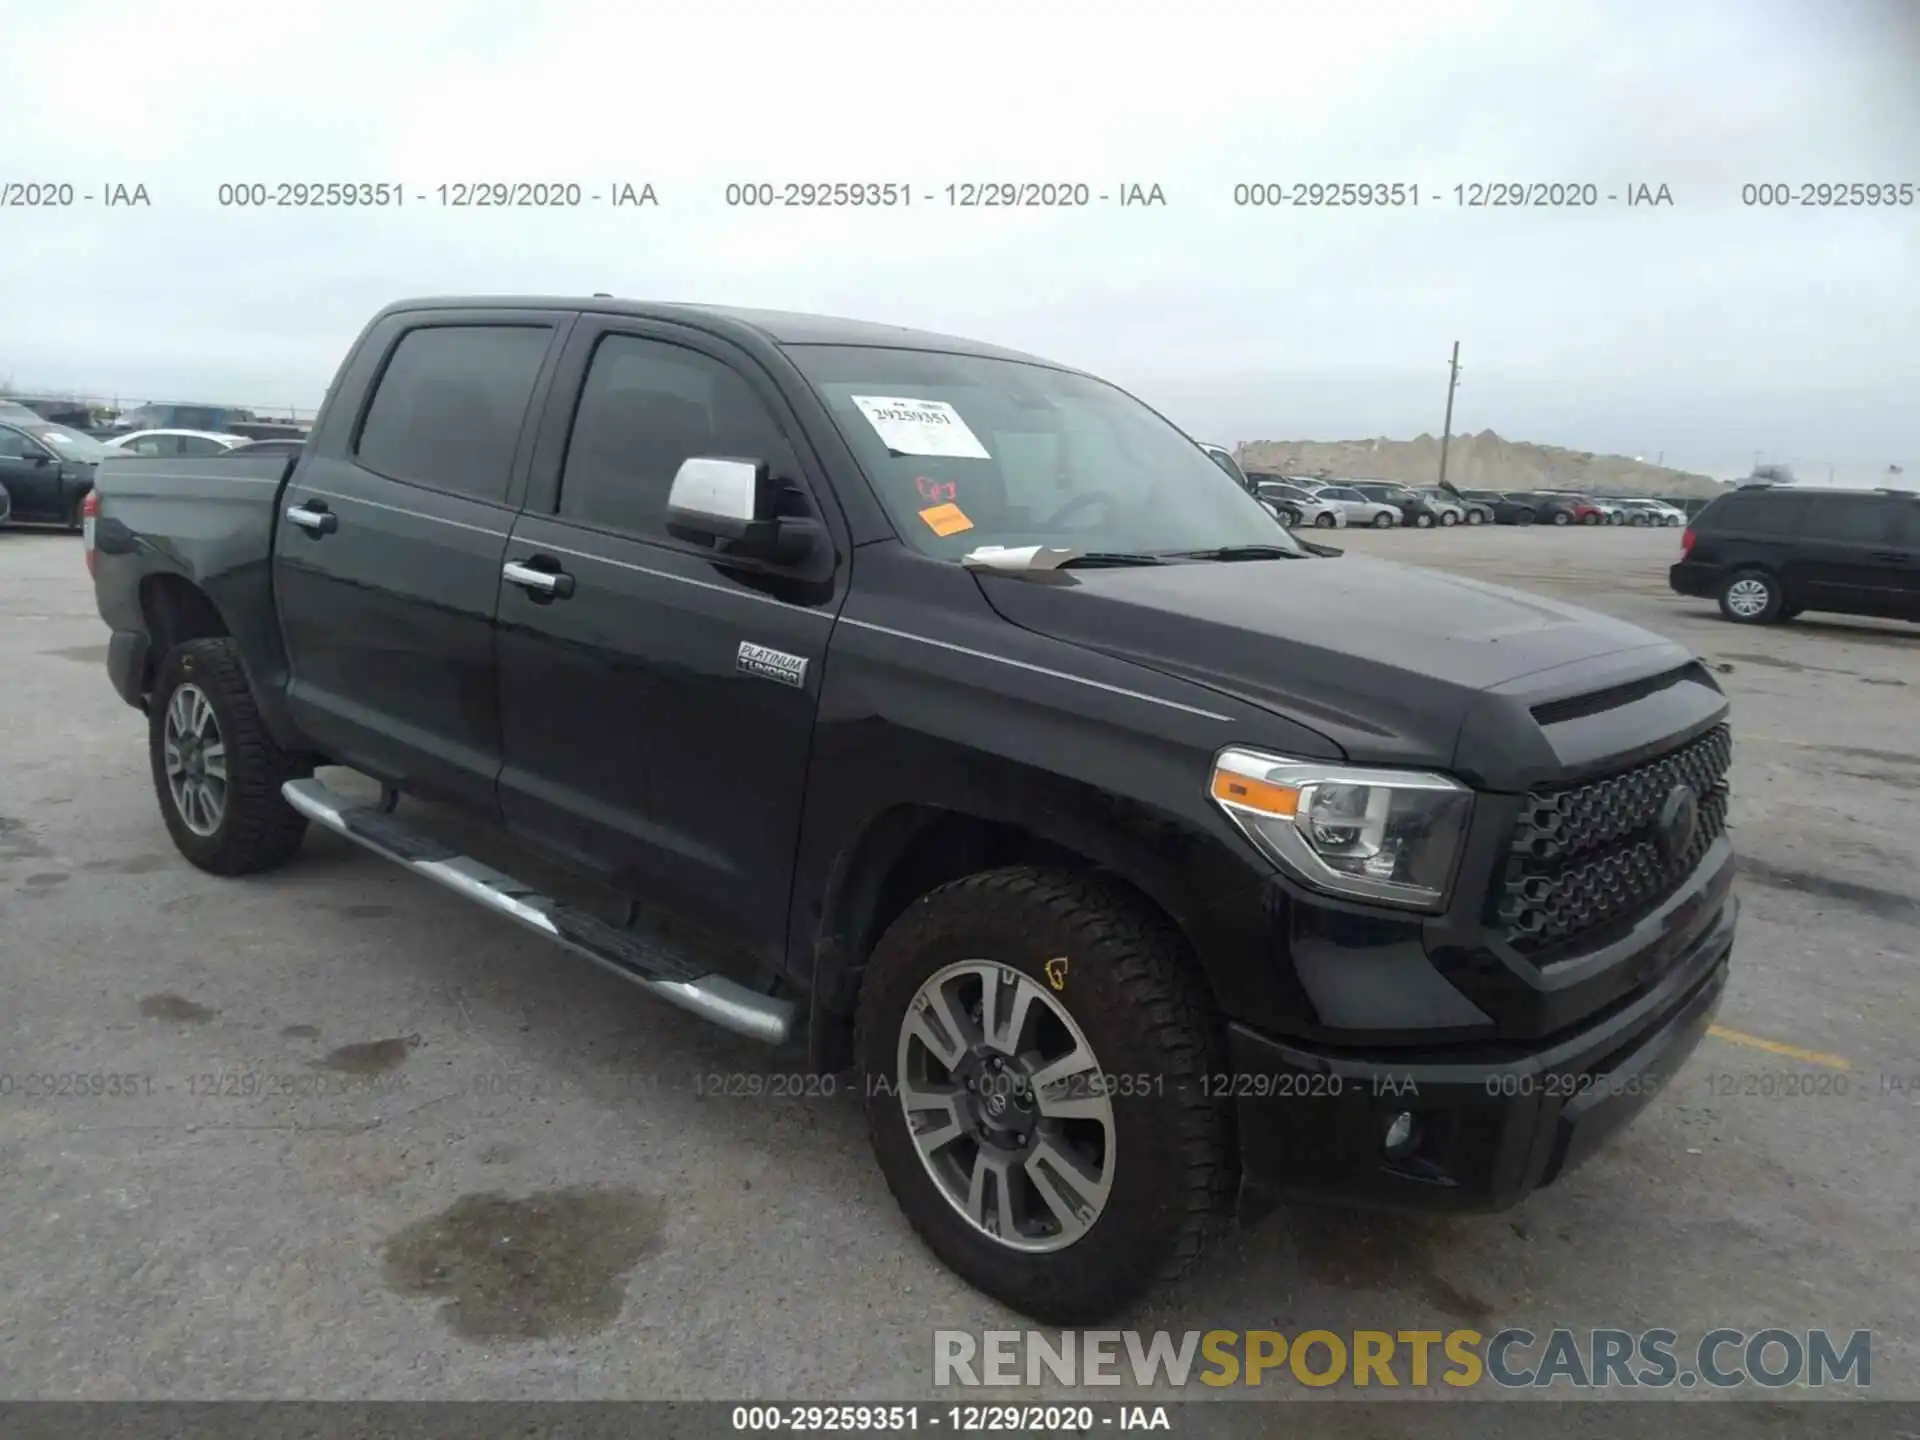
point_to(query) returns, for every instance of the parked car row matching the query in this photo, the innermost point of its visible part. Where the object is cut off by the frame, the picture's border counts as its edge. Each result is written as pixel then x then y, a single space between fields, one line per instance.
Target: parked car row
pixel 1326 503
pixel 47 470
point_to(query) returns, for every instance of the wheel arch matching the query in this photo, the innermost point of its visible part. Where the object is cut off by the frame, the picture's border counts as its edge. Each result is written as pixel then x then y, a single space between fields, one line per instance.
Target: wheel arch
pixel 175 608
pixel 911 848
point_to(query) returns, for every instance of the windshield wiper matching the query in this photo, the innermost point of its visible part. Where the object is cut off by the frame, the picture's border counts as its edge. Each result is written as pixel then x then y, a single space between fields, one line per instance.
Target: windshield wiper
pixel 1040 560
pixel 1090 558
pixel 1241 552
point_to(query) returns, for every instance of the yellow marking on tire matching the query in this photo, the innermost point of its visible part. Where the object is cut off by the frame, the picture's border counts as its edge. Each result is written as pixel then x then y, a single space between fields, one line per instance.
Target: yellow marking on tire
pixel 1056 972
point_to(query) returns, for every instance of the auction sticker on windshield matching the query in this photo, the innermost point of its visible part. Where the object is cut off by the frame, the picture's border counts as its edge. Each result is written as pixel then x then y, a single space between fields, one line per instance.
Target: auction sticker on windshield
pixel 920 427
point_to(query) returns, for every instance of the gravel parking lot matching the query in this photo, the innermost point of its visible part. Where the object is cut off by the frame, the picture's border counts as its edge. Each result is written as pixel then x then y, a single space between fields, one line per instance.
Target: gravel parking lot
pixel 356 1138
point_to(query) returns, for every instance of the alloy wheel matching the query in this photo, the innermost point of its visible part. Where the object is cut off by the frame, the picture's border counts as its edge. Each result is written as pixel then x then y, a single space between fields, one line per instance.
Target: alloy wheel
pixel 196 760
pixel 1005 1103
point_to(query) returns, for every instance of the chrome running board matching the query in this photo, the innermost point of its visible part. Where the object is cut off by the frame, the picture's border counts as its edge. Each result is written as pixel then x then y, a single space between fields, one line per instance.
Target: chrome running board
pixel 666 973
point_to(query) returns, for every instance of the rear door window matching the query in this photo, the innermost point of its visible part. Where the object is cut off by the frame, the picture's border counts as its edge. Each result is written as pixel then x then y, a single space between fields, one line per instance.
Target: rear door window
pixel 1851 519
pixel 447 411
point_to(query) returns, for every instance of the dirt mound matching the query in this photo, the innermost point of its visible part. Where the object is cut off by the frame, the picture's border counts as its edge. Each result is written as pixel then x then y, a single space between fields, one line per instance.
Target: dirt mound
pixel 1476 462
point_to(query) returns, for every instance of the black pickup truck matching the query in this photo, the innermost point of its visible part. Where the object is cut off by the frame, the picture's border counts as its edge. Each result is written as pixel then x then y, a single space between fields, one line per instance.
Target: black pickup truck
pixel 994 746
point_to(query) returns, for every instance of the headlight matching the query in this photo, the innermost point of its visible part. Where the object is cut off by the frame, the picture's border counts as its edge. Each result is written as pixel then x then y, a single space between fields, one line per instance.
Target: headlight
pixel 1386 835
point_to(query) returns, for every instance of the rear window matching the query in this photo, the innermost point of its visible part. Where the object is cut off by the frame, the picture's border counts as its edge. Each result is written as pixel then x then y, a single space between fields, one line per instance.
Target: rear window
pixel 1755 514
pixel 447 411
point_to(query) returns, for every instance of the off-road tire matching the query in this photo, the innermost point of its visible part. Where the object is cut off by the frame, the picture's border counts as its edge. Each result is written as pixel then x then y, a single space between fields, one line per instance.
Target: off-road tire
pixel 1130 987
pixel 258 830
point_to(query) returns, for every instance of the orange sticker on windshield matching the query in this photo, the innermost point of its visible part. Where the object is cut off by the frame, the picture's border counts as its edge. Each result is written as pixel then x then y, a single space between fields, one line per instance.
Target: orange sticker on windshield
pixel 946 519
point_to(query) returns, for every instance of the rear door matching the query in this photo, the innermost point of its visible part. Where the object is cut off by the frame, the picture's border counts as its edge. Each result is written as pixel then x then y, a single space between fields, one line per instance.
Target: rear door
pixel 388 547
pixel 1852 552
pixel 639 740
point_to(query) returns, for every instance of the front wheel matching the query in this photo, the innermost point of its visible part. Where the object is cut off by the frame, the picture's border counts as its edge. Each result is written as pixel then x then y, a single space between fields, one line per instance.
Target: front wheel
pixel 1447 517
pixel 1383 521
pixel 1474 517
pixel 1560 517
pixel 1035 1053
pixel 1323 521
pixel 216 769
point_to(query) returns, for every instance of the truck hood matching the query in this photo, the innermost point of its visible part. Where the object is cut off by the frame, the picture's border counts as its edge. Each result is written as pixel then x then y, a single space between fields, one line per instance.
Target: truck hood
pixel 1385 660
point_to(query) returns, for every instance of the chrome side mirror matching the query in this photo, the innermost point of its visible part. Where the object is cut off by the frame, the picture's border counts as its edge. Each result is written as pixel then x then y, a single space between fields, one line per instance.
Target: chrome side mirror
pixel 730 504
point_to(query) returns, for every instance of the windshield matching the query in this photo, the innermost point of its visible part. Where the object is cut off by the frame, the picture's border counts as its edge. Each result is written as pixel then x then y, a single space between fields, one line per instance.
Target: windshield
pixel 966 451
pixel 70 444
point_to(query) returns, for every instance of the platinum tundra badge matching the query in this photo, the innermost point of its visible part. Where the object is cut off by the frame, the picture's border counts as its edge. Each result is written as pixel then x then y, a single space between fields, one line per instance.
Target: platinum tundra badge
pixel 772 664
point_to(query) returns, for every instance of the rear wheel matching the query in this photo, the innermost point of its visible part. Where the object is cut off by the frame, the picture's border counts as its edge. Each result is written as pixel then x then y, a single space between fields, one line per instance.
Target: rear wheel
pixel 1423 522
pixel 216 769
pixel 1590 520
pixel 1525 517
pixel 1448 517
pixel 1474 517
pixel 1035 1050
pixel 1323 521
pixel 1561 517
pixel 1751 597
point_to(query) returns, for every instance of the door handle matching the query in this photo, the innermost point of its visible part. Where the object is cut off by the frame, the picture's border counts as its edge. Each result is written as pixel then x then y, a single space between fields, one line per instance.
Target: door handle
pixel 548 584
pixel 314 518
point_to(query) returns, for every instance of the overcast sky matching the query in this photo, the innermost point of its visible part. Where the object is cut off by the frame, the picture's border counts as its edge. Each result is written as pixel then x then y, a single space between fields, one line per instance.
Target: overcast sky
pixel 1706 330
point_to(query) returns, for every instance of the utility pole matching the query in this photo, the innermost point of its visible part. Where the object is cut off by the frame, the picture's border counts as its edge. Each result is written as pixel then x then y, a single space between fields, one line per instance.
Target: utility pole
pixel 1446 430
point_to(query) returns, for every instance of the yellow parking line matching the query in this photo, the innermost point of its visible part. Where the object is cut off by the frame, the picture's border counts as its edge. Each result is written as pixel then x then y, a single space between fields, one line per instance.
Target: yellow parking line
pixel 1775 1047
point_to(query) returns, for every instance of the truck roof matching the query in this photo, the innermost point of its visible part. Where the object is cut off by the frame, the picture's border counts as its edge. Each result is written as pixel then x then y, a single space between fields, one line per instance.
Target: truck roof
pixel 778 327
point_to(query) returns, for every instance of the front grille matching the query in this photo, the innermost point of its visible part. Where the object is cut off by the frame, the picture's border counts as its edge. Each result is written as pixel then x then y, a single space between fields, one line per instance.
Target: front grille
pixel 1586 857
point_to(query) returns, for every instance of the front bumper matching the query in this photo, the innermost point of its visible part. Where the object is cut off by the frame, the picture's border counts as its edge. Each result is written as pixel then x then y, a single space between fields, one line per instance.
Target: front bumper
pixel 1489 1129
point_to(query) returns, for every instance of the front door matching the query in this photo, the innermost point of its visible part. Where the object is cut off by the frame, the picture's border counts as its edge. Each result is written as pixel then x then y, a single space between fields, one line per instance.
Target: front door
pixel 387 551
pixel 31 476
pixel 657 707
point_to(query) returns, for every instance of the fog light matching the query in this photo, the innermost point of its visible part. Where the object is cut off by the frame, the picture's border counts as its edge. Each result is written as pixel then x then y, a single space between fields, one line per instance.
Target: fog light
pixel 1400 1138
